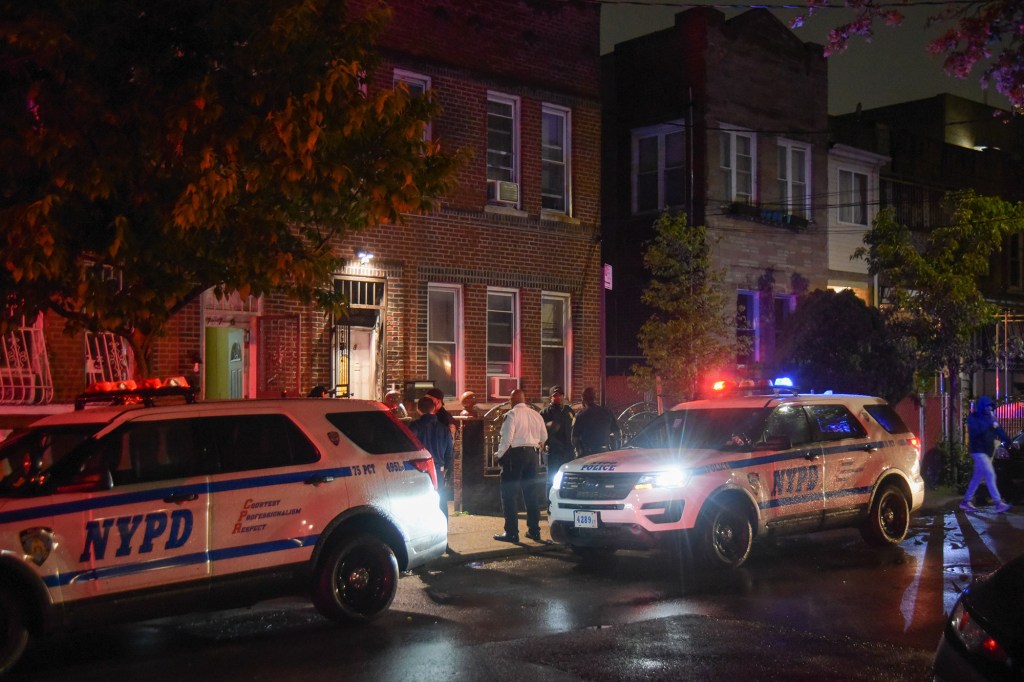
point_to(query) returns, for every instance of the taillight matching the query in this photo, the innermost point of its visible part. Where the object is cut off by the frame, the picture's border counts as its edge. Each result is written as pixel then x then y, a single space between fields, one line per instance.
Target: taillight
pixel 917 446
pixel 974 636
pixel 427 467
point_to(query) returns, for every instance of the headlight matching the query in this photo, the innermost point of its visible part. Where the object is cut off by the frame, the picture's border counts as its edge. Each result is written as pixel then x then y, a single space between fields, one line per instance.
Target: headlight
pixel 670 478
pixel 556 482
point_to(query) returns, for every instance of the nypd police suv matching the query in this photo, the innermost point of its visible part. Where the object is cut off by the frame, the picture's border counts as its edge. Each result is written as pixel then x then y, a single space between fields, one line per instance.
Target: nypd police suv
pixel 717 473
pixel 132 512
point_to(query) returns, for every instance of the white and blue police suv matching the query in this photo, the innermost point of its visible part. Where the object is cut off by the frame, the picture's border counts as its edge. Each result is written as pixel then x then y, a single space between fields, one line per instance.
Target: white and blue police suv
pixel 133 512
pixel 709 476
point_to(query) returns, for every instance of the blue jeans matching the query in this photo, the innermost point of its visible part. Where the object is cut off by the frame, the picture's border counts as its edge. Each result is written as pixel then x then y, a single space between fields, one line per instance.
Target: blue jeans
pixel 985 473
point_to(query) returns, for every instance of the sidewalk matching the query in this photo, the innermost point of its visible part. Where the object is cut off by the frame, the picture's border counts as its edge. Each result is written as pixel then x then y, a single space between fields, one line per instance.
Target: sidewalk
pixel 471 537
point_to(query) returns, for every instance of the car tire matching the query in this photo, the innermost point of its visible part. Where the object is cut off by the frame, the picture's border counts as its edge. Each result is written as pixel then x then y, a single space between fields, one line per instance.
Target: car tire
pixel 15 632
pixel 888 520
pixel 725 534
pixel 357 579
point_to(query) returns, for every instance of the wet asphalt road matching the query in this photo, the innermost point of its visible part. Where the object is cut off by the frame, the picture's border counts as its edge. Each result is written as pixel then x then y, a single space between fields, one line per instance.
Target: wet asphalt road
pixel 821 606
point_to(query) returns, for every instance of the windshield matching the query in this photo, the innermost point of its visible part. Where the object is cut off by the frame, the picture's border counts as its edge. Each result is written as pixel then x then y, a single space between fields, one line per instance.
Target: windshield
pixel 734 428
pixel 25 455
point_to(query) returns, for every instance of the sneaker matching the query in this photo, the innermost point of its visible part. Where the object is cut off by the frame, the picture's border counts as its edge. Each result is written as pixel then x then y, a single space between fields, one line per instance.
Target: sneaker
pixel 968 507
pixel 1003 507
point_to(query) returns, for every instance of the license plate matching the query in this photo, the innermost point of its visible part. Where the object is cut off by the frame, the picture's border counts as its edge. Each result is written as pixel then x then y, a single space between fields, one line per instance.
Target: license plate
pixel 585 519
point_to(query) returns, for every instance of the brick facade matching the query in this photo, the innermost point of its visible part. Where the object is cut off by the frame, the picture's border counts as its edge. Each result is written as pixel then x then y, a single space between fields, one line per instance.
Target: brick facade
pixel 538 53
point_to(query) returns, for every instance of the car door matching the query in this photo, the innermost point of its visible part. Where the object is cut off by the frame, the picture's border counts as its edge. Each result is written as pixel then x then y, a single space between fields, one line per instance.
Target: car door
pixel 271 493
pixel 796 488
pixel 150 528
pixel 847 455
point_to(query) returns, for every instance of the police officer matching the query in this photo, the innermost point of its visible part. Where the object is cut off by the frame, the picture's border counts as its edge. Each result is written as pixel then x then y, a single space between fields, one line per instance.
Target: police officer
pixel 596 429
pixel 558 419
pixel 522 436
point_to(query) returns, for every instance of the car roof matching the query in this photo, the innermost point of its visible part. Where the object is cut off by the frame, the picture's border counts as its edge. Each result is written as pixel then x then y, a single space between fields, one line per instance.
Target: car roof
pixel 298 406
pixel 771 400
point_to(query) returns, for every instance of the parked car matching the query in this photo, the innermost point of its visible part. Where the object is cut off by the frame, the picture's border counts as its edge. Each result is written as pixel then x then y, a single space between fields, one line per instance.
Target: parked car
pixel 715 474
pixel 984 636
pixel 1009 465
pixel 132 512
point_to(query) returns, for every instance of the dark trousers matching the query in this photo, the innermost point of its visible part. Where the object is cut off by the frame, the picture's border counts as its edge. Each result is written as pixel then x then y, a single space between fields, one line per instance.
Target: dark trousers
pixel 519 474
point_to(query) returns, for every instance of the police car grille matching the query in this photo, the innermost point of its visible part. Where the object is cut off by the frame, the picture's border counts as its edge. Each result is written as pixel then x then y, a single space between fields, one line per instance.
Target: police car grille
pixel 588 486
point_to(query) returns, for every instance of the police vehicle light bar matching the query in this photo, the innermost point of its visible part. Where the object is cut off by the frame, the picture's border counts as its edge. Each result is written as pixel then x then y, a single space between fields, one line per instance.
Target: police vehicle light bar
pixel 130 392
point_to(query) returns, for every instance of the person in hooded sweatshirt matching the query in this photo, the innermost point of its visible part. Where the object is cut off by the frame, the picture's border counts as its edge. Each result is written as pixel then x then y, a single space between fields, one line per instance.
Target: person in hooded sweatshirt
pixel 982 431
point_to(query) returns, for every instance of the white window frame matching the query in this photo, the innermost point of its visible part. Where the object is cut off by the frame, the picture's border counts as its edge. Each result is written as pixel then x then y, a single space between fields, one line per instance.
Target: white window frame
pixel 659 133
pixel 458 353
pixel 514 365
pixel 513 104
pixel 565 117
pixel 849 205
pixel 794 202
pixel 417 83
pixel 730 166
pixel 566 341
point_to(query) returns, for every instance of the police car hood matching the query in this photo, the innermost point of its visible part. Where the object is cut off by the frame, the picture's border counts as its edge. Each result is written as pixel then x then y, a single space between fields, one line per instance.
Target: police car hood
pixel 643 459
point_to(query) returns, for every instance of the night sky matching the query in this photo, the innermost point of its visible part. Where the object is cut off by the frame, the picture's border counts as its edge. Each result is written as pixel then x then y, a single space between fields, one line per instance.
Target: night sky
pixel 895 67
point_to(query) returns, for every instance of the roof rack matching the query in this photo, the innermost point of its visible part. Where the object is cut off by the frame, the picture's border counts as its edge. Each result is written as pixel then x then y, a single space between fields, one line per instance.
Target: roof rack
pixel 130 392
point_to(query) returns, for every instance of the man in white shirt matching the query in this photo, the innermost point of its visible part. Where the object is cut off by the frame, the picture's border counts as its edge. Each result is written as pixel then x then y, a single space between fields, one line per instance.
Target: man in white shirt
pixel 522 436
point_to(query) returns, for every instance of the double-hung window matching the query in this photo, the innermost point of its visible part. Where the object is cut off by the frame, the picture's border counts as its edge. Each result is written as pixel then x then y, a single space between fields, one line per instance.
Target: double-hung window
pixel 554 149
pixel 417 85
pixel 444 303
pixel 738 152
pixel 554 341
pixel 502 138
pixel 501 332
pixel 659 169
pixel 853 197
pixel 794 172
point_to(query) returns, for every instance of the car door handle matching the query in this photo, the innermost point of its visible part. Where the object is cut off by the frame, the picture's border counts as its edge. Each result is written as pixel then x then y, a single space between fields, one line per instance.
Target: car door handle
pixel 319 479
pixel 178 498
pixel 811 456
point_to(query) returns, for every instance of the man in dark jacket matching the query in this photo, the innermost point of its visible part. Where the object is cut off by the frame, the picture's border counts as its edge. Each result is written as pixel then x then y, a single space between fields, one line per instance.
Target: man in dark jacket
pixel 982 432
pixel 558 419
pixel 596 429
pixel 436 437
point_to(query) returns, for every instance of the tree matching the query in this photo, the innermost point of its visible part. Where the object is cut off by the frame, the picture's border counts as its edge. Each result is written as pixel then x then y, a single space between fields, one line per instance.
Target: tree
pixel 689 331
pixel 932 298
pixel 986 31
pixel 153 150
pixel 837 342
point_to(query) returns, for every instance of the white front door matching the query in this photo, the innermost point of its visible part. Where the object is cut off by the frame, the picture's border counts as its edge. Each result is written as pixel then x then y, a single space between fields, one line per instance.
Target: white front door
pixel 362 364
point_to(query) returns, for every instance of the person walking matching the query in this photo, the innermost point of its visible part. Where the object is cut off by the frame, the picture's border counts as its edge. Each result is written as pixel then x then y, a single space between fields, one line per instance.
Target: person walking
pixel 436 437
pixel 596 429
pixel 558 419
pixel 522 436
pixel 982 431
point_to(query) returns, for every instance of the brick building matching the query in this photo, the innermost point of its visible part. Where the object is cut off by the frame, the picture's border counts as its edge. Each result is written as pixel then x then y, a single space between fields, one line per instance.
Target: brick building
pixel 498 287
pixel 725 120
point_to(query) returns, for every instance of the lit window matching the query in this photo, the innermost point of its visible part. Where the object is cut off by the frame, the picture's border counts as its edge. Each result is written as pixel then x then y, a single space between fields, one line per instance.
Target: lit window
pixel 794 178
pixel 746 327
pixel 554 146
pixel 659 179
pixel 738 160
pixel 853 197
pixel 443 336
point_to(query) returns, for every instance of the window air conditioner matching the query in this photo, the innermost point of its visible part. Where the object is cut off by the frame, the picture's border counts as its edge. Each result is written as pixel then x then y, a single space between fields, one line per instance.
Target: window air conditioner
pixel 502 192
pixel 502 387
